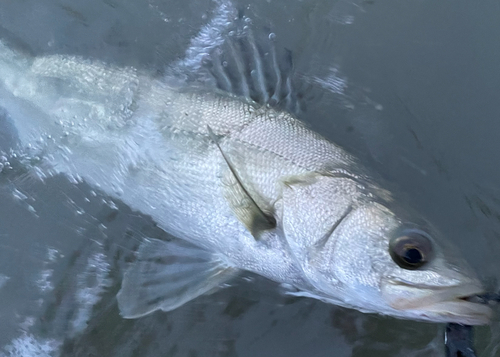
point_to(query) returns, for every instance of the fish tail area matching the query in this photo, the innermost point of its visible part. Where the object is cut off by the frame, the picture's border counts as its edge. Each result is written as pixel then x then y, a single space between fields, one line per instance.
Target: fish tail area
pixel 19 161
pixel 15 57
pixel 167 275
pixel 61 107
pixel 18 114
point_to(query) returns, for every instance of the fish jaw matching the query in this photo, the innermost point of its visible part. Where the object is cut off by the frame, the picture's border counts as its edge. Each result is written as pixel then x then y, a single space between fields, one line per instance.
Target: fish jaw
pixel 444 305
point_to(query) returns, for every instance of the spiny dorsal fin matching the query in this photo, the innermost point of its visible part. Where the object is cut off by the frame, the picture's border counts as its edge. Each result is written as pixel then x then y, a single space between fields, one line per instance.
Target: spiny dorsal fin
pixel 242 61
pixel 252 215
pixel 250 66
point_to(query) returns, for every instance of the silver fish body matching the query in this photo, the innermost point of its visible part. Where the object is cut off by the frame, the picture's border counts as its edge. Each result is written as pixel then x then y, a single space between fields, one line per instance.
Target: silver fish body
pixel 206 166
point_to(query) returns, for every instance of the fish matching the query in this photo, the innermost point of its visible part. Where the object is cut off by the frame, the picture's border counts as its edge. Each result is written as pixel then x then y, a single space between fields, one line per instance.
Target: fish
pixel 241 183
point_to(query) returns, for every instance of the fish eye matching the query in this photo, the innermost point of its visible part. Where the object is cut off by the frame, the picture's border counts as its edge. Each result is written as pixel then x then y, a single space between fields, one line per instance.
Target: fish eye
pixel 411 251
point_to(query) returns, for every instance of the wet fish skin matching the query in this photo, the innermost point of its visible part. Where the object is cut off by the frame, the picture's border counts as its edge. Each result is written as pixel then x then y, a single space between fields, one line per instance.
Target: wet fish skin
pixel 146 143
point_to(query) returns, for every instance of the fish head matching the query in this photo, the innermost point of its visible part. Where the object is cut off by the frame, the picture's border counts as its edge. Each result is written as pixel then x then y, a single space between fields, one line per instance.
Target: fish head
pixel 375 261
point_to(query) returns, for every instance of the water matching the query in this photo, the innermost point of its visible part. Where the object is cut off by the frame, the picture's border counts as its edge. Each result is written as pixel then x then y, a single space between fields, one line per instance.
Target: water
pixel 409 87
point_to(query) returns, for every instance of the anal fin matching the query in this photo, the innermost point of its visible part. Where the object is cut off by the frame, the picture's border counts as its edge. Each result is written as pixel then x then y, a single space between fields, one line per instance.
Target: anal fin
pixel 167 275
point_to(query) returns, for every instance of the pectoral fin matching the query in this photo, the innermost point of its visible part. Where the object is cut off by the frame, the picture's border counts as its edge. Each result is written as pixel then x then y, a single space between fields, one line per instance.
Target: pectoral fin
pixel 166 275
pixel 255 218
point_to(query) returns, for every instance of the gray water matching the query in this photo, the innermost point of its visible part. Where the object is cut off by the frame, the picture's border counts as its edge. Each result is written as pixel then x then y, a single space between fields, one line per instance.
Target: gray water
pixel 412 88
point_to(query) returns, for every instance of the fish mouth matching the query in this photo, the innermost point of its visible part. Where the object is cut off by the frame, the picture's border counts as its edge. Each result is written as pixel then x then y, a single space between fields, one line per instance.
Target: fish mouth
pixel 462 310
pixel 460 304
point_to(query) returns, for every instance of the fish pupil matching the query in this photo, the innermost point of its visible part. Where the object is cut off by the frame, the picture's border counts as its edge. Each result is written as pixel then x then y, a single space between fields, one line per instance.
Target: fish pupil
pixel 413 256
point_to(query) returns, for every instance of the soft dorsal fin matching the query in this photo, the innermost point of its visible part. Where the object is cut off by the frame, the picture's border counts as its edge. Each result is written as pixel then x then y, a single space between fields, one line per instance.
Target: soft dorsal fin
pixel 251 214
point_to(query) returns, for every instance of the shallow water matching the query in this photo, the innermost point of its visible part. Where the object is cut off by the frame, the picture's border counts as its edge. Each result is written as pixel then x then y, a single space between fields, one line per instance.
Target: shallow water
pixel 410 88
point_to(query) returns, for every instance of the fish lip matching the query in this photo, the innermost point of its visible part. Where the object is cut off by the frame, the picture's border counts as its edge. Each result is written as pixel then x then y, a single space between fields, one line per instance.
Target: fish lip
pixel 462 311
pixel 458 304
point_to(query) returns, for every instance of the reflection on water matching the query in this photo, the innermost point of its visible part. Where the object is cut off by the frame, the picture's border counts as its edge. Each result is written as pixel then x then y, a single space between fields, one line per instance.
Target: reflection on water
pixel 410 88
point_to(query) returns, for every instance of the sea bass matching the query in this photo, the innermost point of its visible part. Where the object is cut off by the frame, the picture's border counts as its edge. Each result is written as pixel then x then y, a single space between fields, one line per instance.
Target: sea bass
pixel 244 186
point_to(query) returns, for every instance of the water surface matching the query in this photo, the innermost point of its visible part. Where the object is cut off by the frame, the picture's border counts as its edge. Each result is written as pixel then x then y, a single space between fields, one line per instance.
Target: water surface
pixel 410 87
